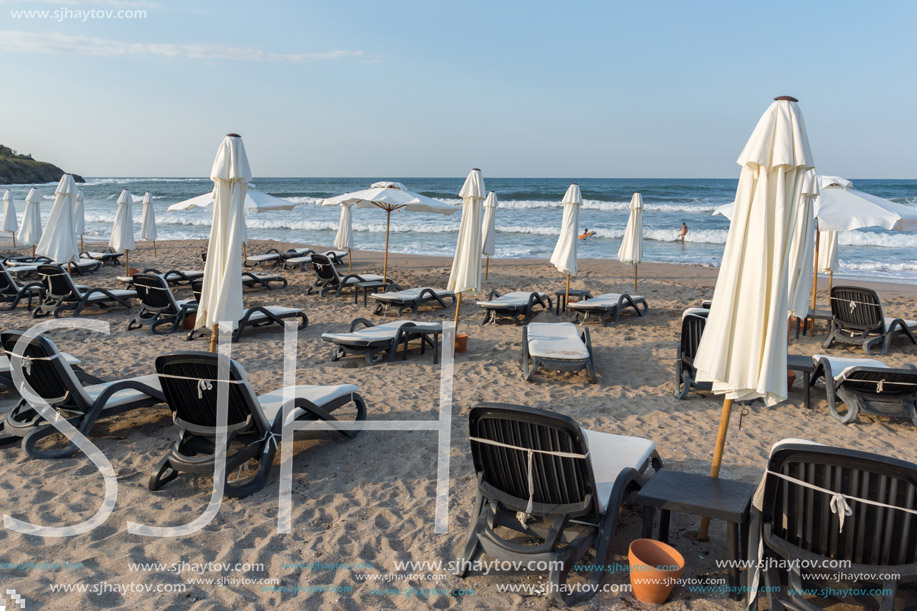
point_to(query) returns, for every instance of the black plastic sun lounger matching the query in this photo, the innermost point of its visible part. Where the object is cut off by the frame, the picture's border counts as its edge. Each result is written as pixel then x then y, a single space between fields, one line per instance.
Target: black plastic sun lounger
pixel 868 386
pixel 190 382
pixel 608 307
pixel 61 294
pixel 858 319
pixel 256 317
pixel 378 342
pixel 409 300
pixel 12 292
pixel 559 346
pixel 174 277
pixel 251 280
pixel 559 485
pixel 53 379
pixel 301 258
pixel 330 279
pixel 693 321
pixel 519 306
pixel 105 257
pixel 820 507
pixel 158 306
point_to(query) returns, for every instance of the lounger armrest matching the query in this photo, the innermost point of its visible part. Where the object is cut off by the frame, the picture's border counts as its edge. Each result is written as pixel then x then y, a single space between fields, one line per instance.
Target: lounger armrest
pixel 152 270
pixel 492 295
pixel 360 321
pixel 585 337
pixel 116 387
pixel 536 298
pixel 105 292
pixel 392 287
pixel 358 277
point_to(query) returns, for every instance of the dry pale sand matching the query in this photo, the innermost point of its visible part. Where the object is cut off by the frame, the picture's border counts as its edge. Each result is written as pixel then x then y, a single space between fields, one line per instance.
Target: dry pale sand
pixel 371 500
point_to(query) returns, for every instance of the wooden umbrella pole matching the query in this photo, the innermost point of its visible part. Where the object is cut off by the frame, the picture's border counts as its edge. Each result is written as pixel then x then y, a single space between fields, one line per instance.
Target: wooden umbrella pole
pixel 717 458
pixel 14 239
pixel 567 295
pixel 81 243
pixel 815 275
pixel 830 282
pixel 487 269
pixel 244 255
pixel 33 251
pixel 214 332
pixel 458 306
pixel 388 220
pixel 349 260
pixel 635 277
pixel 127 262
pixel 154 248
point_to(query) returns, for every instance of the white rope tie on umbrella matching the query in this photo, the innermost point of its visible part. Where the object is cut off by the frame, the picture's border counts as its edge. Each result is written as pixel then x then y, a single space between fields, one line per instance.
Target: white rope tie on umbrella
pixel 839 504
pixel 529 471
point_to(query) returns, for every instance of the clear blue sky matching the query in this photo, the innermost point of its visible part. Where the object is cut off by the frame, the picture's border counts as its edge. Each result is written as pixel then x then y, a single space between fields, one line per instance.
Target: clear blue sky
pixel 432 88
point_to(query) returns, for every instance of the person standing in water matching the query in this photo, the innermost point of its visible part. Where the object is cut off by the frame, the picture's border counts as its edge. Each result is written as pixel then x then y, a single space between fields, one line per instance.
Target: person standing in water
pixel 683 232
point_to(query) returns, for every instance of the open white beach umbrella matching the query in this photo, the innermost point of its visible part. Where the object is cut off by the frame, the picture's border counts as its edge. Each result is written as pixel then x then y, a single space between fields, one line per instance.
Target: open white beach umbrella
pixel 802 248
pixel 79 216
pixel 489 230
pixel 148 224
pixel 122 233
pixel 827 252
pixel 743 348
pixel 466 264
pixel 9 216
pixel 389 196
pixel 58 242
pixel 564 255
pixel 840 207
pixel 343 239
pixel 221 295
pixel 30 230
pixel 631 250
pixel 255 202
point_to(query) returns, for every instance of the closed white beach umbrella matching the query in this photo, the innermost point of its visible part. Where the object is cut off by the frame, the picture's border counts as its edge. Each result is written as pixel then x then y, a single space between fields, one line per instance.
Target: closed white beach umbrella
pixel 9 216
pixel 148 224
pixel 489 229
pixel 30 230
pixel 564 256
pixel 79 216
pixel 631 250
pixel 344 237
pixel 221 296
pixel 827 252
pixel 58 243
pixel 743 348
pixel 122 233
pixel 466 264
pixel 802 248
pixel 391 197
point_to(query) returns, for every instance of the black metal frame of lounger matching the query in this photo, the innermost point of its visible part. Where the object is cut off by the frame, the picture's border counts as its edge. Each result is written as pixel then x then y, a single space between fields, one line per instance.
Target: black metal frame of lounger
pixel 173 277
pixel 412 304
pixel 557 364
pixel 108 256
pixel 251 280
pixel 308 252
pixel 799 526
pixel 12 292
pixel 270 318
pixel 609 312
pixel 692 328
pixel 158 306
pixel 527 312
pixel 329 278
pixel 880 391
pixel 566 517
pixel 864 322
pixel 248 437
pixel 372 350
pixel 47 375
pixel 61 294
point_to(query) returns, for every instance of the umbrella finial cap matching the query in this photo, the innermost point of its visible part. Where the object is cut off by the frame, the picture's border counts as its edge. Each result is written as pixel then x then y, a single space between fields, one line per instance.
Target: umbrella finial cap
pixel 233 136
pixel 788 98
pixel 475 169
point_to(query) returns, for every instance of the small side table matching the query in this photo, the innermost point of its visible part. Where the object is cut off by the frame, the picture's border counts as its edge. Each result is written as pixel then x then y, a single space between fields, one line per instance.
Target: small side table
pixel 425 334
pixel 812 316
pixel 806 366
pixel 560 303
pixel 699 495
pixel 367 286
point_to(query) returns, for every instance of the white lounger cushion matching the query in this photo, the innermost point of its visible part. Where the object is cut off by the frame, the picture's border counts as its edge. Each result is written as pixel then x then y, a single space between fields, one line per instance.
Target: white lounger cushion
pixel 122 397
pixel 380 333
pixel 910 324
pixel 517 299
pixel 123 293
pixel 272 402
pixel 840 366
pixel 410 294
pixel 13 268
pixel 6 367
pixel 608 300
pixel 558 340
pixel 101 255
pixel 271 256
pixel 275 310
pixel 610 454
pixel 365 278
pixel 304 259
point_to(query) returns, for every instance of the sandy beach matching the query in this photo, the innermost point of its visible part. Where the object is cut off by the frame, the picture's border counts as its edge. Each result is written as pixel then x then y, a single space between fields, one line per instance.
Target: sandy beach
pixel 370 501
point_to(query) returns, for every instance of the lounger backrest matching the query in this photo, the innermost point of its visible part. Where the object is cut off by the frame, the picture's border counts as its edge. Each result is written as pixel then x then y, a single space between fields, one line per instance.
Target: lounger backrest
pixel 803 516
pixel 692 328
pixel 154 293
pixel 46 371
pixel 324 267
pixel 189 383
pixel 197 287
pixel 881 382
pixel 8 285
pixel 57 281
pixel 565 484
pixel 857 308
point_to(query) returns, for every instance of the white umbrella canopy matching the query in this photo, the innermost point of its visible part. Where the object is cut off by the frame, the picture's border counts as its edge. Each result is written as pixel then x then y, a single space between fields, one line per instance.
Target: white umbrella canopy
pixel 221 295
pixel 743 348
pixel 9 215
pixel 148 222
pixel 255 202
pixel 466 264
pixel 122 232
pixel 343 239
pixel 30 230
pixel 490 229
pixel 389 196
pixel 827 252
pixel 79 216
pixel 802 248
pixel 58 243
pixel 564 255
pixel 841 208
pixel 631 250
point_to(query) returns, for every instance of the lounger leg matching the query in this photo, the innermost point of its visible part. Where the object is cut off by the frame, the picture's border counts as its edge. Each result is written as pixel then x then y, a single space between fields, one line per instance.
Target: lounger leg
pixel 472 542
pixel 163 473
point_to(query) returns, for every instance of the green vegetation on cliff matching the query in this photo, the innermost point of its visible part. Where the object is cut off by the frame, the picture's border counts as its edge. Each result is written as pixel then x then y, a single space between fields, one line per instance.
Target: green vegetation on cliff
pixel 18 168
